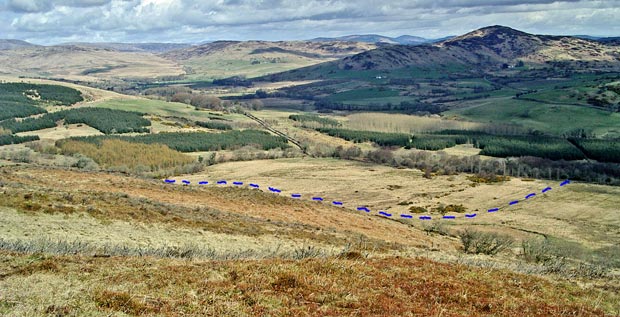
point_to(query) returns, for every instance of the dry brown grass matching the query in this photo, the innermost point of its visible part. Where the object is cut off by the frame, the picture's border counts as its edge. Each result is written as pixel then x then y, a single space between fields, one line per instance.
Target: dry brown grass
pixel 231 211
pixel 316 287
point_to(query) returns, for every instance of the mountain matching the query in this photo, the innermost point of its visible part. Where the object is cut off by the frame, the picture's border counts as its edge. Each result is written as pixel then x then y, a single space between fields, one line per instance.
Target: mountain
pixel 489 47
pixel 135 47
pixel 376 39
pixel 8 44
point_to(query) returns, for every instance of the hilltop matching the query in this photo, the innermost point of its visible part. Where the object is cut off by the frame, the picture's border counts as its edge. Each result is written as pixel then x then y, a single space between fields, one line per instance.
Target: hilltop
pixel 6 44
pixel 376 39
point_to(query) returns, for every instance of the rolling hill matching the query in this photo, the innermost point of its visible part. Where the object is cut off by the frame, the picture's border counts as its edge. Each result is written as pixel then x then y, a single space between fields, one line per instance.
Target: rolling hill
pixel 375 38
pixel 8 44
pixel 256 58
pixel 76 62
pixel 135 47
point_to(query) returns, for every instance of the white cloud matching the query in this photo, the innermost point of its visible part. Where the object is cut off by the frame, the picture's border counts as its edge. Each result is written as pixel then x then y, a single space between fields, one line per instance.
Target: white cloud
pixel 189 20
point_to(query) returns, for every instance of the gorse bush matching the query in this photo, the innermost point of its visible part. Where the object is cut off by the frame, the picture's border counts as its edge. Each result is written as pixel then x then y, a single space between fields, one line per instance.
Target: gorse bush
pixel 489 243
pixel 536 250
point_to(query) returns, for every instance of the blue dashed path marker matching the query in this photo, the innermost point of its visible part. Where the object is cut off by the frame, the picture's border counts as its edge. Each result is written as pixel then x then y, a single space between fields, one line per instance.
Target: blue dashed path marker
pixel 364 208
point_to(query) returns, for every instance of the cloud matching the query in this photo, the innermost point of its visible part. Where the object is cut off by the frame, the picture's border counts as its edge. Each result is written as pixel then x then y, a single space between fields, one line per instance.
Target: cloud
pixel 197 21
pixel 30 6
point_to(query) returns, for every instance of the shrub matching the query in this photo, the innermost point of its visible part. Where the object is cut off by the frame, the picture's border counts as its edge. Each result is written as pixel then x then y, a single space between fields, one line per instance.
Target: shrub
pixel 417 210
pixel 442 209
pixel 489 243
pixel 536 250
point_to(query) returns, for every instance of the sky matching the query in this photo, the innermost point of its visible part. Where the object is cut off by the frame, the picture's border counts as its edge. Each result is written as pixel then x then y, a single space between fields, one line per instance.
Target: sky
pixel 192 21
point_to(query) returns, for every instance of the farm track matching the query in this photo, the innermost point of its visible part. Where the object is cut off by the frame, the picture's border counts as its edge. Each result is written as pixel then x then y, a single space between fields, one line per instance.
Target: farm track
pixel 276 132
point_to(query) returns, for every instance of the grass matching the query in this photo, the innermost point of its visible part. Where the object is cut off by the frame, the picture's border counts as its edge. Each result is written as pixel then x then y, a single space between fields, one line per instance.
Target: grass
pixel 555 119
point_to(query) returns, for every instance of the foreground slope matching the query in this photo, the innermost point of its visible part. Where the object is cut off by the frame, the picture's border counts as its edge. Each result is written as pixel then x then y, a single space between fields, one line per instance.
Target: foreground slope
pixel 81 285
pixel 80 243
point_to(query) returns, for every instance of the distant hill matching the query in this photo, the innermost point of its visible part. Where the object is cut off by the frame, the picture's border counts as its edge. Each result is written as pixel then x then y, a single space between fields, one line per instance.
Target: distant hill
pixel 377 39
pixel 256 58
pixel 78 62
pixel 8 44
pixel 135 47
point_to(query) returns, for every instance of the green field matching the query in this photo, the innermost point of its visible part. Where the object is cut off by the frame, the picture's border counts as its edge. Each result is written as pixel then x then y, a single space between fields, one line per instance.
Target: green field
pixel 555 119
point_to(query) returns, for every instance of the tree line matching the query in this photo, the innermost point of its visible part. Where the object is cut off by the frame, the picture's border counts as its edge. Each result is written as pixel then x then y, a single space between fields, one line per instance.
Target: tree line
pixel 14 139
pixel 549 147
pixel 105 120
pixel 201 141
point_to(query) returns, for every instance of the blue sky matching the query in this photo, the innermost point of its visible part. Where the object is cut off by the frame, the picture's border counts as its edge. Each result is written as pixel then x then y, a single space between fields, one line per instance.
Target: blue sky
pixel 57 21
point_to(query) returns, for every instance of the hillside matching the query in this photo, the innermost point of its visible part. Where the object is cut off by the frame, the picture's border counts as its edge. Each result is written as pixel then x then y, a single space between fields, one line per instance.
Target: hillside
pixel 256 58
pixel 6 44
pixel 76 62
pixel 135 47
